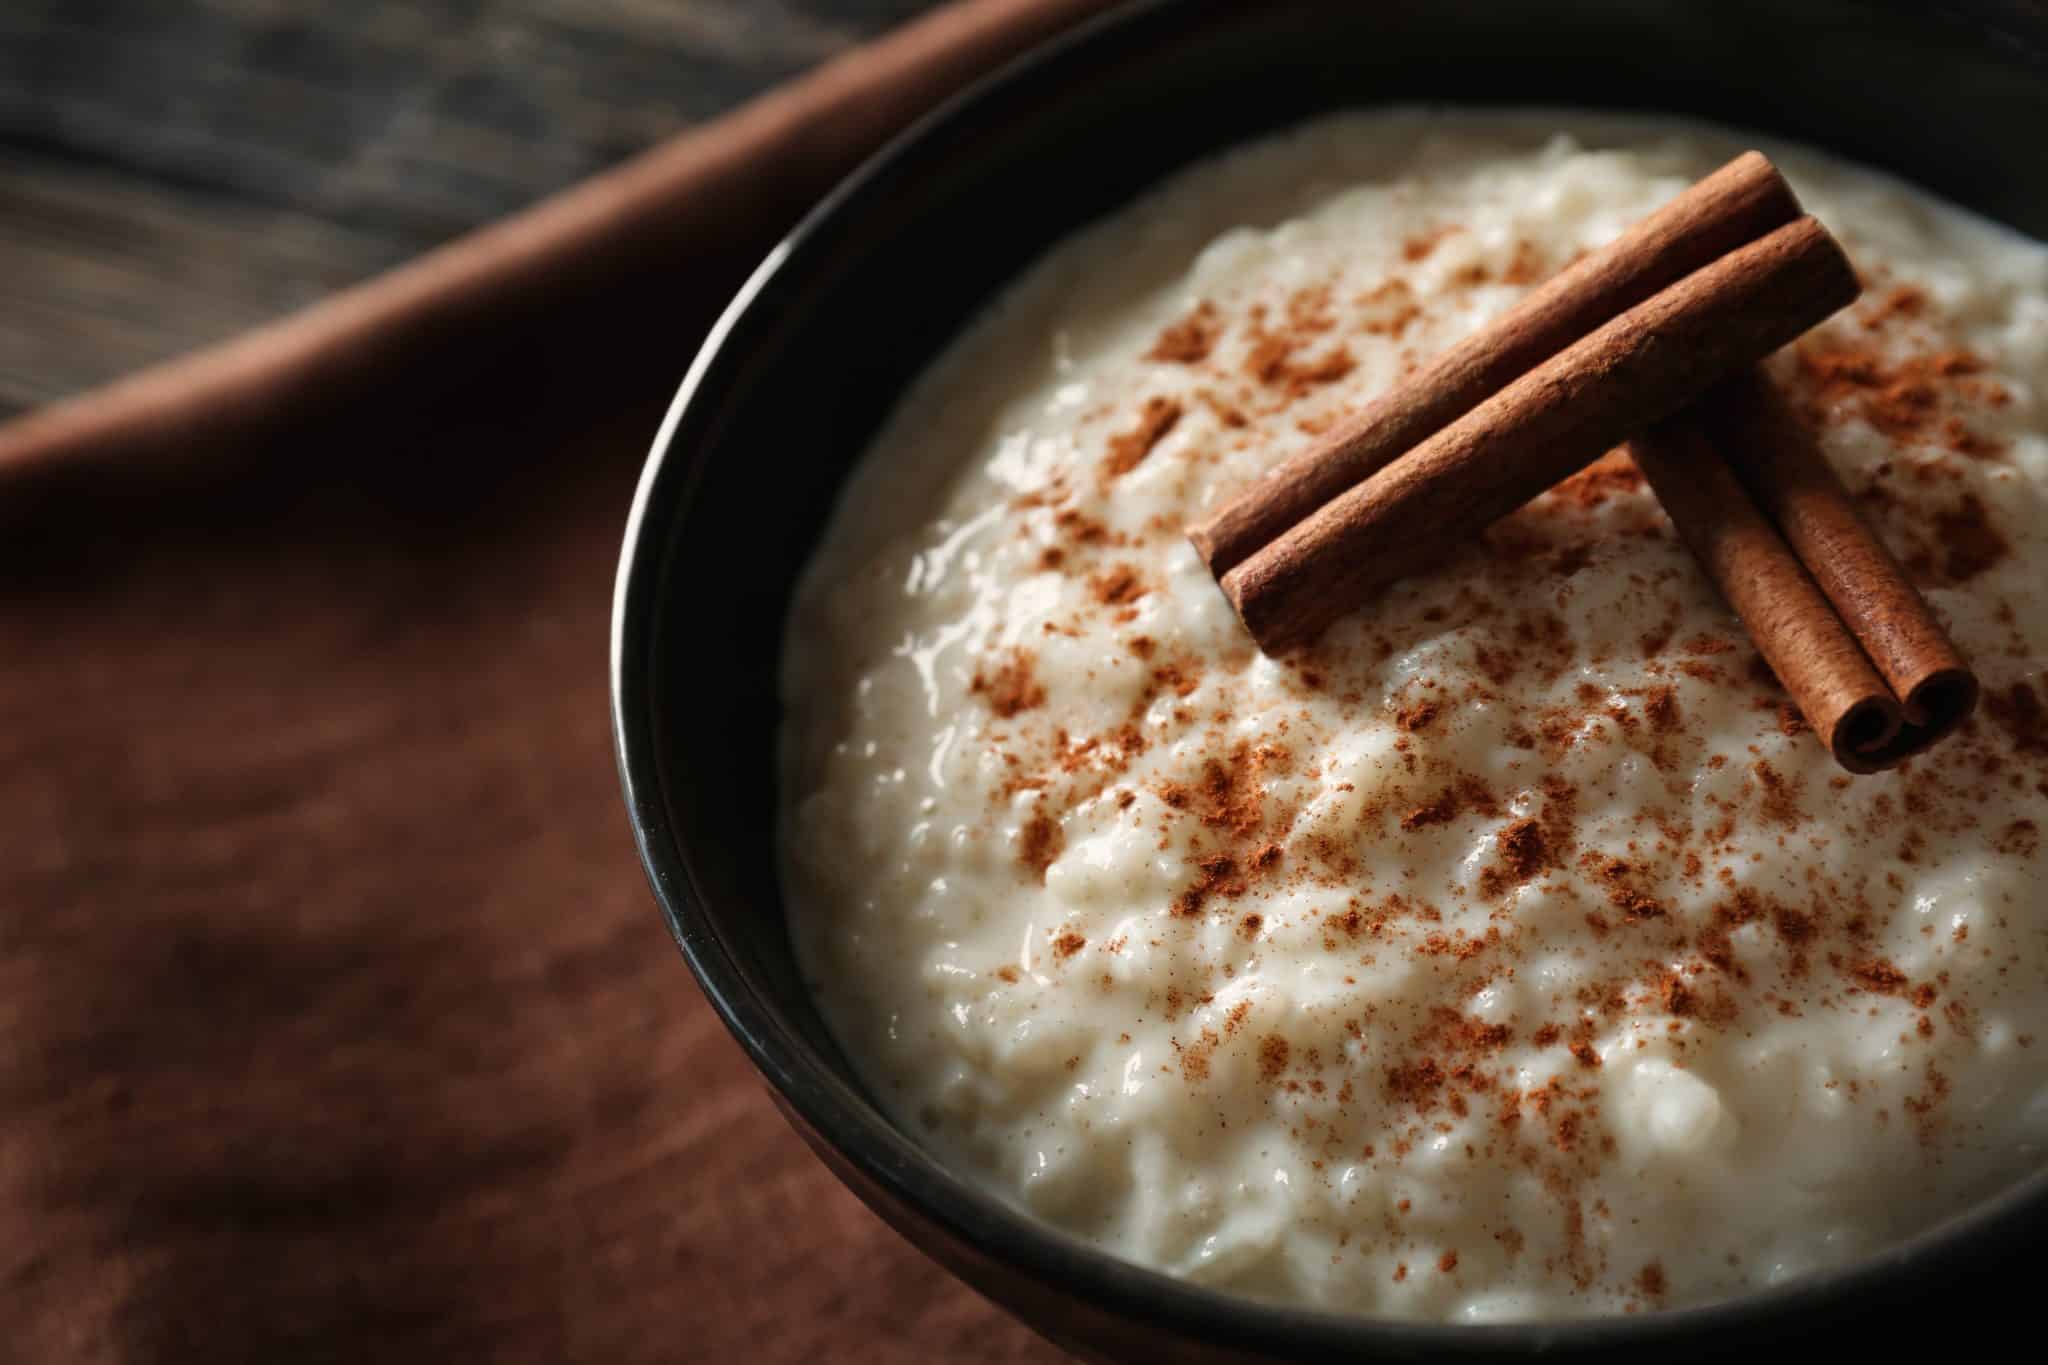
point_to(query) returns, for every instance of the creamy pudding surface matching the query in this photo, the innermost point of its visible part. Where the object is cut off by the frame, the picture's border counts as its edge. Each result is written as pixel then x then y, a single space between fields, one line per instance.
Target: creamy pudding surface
pixel 1514 952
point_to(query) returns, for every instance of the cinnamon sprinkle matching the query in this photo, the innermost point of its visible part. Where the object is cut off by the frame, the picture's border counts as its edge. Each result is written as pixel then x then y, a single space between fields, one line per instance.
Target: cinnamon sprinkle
pixel 1971 541
pixel 1417 716
pixel 1011 686
pixel 1879 977
pixel 1218 876
pixel 1910 399
pixel 2021 713
pixel 1128 450
pixel 1117 585
pixel 1524 854
pixel 1040 843
pixel 1189 341
pixel 1419 246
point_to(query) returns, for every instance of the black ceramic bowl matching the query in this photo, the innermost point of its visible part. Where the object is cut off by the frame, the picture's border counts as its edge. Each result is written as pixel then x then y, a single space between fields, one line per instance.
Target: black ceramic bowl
pixel 875 282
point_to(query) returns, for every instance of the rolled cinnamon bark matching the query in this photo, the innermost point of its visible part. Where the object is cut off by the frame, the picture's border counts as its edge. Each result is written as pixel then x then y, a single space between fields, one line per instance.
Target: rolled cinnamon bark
pixel 1787 616
pixel 1635 370
pixel 1774 454
pixel 1736 204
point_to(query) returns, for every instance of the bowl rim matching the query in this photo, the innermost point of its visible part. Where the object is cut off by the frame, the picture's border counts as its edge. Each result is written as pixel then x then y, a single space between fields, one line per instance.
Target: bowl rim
pixel 861 1134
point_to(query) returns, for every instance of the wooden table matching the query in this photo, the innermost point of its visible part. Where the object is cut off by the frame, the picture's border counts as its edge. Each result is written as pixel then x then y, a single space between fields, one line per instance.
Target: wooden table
pixel 174 171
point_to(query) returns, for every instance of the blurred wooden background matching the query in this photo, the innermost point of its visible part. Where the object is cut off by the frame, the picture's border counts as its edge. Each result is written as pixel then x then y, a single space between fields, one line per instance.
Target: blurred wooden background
pixel 173 171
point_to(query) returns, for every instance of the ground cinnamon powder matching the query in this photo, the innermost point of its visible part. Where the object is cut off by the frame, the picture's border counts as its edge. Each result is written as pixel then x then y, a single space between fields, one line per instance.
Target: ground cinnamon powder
pixel 1189 341
pixel 1011 685
pixel 2020 712
pixel 1921 397
pixel 1039 843
pixel 1117 585
pixel 1971 541
pixel 1129 449
pixel 1273 1052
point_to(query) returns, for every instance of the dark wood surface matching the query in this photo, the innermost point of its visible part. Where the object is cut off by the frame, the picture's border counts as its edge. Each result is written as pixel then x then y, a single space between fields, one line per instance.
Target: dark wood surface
pixel 175 171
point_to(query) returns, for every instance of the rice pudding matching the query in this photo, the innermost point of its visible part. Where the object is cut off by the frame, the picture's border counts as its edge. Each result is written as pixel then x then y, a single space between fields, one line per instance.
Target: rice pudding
pixel 1513 952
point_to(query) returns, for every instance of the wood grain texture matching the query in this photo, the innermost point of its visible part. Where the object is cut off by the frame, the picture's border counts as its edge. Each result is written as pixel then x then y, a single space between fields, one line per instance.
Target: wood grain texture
pixel 173 172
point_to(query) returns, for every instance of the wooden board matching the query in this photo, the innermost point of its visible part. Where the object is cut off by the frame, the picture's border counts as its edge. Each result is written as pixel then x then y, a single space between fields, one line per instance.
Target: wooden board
pixel 174 171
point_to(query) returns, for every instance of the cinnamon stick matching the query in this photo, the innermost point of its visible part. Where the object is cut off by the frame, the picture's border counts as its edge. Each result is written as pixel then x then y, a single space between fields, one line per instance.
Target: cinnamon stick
pixel 1791 622
pixel 1774 454
pixel 1736 204
pixel 1634 370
